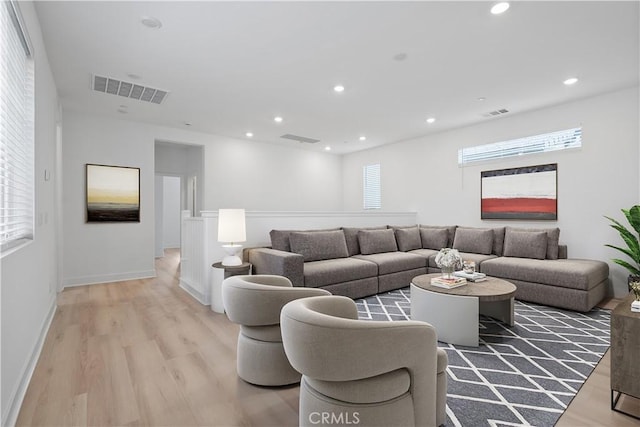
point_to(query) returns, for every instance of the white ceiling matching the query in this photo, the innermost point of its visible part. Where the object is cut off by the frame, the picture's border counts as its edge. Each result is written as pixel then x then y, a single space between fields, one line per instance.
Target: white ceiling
pixel 231 67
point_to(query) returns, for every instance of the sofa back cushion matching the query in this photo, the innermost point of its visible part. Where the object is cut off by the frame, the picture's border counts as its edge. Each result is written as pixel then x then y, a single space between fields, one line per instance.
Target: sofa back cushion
pixel 553 238
pixel 280 238
pixel 474 240
pixel 498 240
pixel 377 241
pixel 319 245
pixel 434 238
pixel 451 231
pixel 525 244
pixel 408 238
pixel 351 236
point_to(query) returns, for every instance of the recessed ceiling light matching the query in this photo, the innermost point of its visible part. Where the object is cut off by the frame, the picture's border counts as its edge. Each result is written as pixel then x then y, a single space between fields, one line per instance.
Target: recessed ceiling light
pixel 277 119
pixel 499 8
pixel 151 22
pixel 187 123
pixel 327 148
pixel 570 81
pixel 134 76
pixel 481 98
pixel 338 88
pixel 431 120
pixel 123 110
pixel 363 138
pixel 249 134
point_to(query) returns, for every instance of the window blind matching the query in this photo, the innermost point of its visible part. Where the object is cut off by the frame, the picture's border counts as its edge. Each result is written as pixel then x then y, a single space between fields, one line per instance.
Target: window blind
pixel 371 180
pixel 16 130
pixel 553 141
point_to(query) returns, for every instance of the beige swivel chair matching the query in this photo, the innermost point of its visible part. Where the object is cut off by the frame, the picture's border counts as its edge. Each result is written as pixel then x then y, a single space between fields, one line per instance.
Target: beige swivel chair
pixel 255 302
pixel 368 373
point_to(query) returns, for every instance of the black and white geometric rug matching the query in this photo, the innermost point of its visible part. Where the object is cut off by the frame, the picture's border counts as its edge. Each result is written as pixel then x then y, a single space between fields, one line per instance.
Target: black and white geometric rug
pixel 524 375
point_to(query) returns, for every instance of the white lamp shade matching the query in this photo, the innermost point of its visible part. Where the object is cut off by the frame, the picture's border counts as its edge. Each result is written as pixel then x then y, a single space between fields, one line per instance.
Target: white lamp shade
pixel 231 226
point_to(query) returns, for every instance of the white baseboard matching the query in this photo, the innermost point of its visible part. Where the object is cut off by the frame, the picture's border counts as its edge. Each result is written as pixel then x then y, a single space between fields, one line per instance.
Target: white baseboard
pixel 187 287
pixel 107 278
pixel 17 395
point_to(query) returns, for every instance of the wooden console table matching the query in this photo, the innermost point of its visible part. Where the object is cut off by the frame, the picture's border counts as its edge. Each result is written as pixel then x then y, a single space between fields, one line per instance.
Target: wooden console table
pixel 625 350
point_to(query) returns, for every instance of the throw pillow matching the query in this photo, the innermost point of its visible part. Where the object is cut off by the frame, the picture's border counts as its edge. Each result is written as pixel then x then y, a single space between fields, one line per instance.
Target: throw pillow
pixel 474 240
pixel 351 236
pixel 319 245
pixel 553 238
pixel 408 239
pixel 434 238
pixel 451 231
pixel 377 241
pixel 280 238
pixel 525 244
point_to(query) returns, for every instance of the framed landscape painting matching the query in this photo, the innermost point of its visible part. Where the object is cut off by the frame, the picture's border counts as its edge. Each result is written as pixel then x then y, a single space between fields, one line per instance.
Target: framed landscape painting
pixel 525 193
pixel 113 194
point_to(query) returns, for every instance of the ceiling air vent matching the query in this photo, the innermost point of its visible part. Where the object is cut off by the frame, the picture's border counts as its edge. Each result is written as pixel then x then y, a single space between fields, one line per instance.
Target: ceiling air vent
pixel 300 138
pixel 495 112
pixel 129 90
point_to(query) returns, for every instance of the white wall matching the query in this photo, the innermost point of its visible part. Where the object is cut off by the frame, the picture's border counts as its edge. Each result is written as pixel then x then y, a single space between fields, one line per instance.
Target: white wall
pixel 599 179
pixel 238 173
pixel 29 275
pixel 171 208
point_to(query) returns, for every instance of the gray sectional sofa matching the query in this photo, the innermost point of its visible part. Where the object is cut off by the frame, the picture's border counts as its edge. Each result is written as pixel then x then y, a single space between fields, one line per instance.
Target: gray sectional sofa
pixel 358 262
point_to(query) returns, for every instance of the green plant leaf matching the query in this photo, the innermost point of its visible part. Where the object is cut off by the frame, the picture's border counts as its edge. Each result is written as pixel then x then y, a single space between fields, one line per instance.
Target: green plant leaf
pixel 633 216
pixel 629 238
pixel 633 270
pixel 627 252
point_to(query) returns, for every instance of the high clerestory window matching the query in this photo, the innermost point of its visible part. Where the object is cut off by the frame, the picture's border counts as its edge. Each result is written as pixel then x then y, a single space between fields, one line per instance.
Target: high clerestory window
pixel 553 141
pixel 16 130
pixel 371 186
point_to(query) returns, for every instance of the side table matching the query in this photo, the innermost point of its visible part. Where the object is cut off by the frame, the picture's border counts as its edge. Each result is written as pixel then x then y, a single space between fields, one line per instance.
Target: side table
pixel 625 347
pixel 216 282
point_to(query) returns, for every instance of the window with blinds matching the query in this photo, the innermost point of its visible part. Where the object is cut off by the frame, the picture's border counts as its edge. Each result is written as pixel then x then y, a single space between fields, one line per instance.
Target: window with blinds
pixel 16 130
pixel 553 141
pixel 371 181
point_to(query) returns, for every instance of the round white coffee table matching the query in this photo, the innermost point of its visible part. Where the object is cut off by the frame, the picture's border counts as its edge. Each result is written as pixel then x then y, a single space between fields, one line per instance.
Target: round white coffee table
pixel 454 312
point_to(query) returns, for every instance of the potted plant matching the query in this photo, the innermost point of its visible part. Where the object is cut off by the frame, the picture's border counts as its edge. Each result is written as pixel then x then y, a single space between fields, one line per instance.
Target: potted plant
pixel 631 240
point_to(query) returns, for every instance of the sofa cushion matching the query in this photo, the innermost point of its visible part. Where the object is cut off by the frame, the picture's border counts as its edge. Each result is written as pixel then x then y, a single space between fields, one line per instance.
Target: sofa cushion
pixel 332 271
pixel 425 253
pixel 474 240
pixel 553 237
pixel 578 274
pixel 351 236
pixel 280 238
pixel 525 244
pixel 376 389
pixel 393 262
pixel 408 239
pixel 434 238
pixel 498 239
pixel 451 231
pixel 377 241
pixel 319 245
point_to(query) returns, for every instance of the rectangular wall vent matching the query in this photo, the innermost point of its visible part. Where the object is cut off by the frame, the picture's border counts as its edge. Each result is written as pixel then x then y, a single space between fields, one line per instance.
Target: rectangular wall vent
pixel 129 90
pixel 495 112
pixel 300 138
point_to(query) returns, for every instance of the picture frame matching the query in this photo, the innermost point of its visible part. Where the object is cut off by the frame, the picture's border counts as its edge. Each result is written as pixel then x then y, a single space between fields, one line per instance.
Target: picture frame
pixel 523 193
pixel 112 193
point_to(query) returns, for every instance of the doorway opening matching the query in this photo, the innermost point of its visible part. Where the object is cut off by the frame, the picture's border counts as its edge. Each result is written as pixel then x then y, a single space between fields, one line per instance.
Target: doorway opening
pixel 178 170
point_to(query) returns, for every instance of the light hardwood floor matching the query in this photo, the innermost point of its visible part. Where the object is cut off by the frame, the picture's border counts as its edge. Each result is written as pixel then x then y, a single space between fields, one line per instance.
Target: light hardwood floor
pixel 144 352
